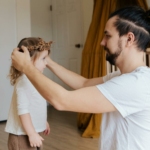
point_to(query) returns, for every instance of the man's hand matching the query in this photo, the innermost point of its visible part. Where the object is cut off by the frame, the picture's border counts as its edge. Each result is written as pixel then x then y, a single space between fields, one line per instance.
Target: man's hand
pixel 35 140
pixel 48 60
pixel 21 60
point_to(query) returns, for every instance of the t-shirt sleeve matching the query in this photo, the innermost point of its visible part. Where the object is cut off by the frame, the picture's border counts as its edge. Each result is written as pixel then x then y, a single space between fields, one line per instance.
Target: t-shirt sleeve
pixel 22 91
pixel 125 93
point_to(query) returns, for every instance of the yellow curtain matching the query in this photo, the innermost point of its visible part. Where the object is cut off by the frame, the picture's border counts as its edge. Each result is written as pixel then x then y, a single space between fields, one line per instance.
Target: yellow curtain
pixel 93 56
pixel 143 4
pixel 93 61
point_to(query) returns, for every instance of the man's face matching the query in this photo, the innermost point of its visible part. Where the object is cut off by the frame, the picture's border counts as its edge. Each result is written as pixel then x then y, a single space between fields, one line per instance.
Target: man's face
pixel 112 42
pixel 111 57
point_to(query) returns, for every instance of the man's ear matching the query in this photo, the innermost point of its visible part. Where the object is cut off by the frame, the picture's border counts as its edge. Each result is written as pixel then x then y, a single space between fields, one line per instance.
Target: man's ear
pixel 130 38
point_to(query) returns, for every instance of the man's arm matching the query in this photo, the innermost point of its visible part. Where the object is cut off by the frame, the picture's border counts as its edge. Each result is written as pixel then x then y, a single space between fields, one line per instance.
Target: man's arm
pixel 88 99
pixel 72 79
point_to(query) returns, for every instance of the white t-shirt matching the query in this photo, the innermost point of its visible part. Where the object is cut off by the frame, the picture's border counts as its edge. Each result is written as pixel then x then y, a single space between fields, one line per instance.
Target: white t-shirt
pixel 26 99
pixel 129 127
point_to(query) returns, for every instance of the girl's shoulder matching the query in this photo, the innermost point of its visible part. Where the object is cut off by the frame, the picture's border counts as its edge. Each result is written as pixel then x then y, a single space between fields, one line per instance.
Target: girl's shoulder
pixel 23 81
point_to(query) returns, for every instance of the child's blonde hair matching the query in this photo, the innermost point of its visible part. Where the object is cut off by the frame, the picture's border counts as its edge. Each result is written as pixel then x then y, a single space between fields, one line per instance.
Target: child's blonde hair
pixel 34 46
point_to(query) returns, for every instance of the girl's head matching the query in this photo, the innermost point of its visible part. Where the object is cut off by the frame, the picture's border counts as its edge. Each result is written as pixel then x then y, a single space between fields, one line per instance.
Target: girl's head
pixel 38 50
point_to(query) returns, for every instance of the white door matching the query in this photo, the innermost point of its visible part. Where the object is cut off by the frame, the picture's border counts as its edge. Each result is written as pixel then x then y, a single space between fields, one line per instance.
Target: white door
pixel 67 30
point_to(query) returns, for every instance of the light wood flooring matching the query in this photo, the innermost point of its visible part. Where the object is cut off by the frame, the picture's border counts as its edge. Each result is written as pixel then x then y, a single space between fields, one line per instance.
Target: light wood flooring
pixel 64 133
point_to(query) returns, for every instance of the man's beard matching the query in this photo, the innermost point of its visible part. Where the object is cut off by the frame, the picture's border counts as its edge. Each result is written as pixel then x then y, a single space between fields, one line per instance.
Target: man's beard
pixel 112 57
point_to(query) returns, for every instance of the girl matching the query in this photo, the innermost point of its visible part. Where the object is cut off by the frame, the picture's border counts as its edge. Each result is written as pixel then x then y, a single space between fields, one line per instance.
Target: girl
pixel 28 111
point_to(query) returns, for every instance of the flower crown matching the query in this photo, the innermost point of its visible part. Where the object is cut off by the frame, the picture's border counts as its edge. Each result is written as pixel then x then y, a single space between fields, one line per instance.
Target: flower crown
pixel 42 45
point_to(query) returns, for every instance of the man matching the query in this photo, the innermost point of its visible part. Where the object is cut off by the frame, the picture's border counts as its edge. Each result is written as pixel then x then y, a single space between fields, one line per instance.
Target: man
pixel 123 96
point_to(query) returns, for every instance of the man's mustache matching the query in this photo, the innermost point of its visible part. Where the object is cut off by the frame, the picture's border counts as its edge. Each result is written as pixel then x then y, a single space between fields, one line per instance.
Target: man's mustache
pixel 106 49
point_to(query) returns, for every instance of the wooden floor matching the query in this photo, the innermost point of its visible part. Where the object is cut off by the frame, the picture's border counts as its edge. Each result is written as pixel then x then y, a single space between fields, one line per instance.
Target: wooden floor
pixel 64 133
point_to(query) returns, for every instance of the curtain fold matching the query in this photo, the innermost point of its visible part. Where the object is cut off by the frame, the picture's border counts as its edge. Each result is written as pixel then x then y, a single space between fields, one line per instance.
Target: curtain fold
pixel 93 61
pixel 93 56
pixel 143 4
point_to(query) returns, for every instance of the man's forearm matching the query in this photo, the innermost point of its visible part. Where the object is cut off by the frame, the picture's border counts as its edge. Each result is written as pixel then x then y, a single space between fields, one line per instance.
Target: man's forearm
pixel 72 79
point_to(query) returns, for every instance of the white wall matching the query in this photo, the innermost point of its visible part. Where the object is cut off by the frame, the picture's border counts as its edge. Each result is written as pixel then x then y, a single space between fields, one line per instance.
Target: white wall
pixel 87 6
pixel 7 43
pixel 148 2
pixel 15 24
pixel 23 19
pixel 41 19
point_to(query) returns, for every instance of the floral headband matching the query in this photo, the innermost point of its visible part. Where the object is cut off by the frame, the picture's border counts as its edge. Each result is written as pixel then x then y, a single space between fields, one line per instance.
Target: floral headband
pixel 42 45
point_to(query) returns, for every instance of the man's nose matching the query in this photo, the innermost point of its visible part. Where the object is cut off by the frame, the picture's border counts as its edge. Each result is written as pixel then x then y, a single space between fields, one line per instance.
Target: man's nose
pixel 103 42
